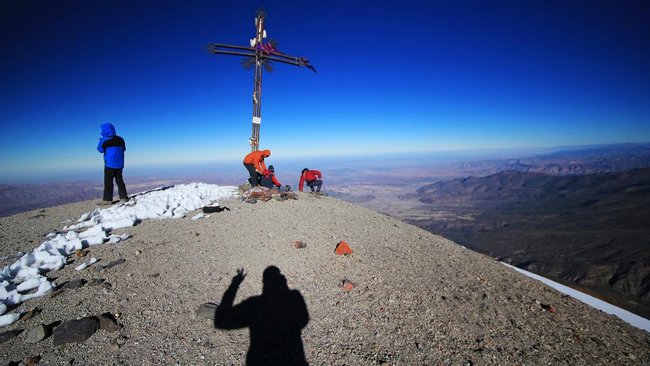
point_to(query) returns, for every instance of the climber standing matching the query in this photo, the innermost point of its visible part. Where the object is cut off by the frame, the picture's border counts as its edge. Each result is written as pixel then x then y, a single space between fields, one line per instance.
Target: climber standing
pixel 112 147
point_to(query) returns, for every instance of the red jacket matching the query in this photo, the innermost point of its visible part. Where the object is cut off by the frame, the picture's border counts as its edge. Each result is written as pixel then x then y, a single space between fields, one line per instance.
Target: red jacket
pixel 256 158
pixel 308 177
pixel 268 177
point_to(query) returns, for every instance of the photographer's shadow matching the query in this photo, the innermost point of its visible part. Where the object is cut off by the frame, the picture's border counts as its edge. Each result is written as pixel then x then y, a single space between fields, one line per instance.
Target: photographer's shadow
pixel 275 318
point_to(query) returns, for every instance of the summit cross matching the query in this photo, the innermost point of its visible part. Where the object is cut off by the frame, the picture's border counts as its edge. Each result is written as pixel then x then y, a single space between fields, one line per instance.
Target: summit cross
pixel 260 55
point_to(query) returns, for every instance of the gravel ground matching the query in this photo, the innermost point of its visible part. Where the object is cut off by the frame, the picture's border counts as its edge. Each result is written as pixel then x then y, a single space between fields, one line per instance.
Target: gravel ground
pixel 419 299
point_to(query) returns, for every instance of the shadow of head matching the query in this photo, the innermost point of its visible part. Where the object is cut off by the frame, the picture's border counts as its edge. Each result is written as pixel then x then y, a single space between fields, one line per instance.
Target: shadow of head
pixel 273 280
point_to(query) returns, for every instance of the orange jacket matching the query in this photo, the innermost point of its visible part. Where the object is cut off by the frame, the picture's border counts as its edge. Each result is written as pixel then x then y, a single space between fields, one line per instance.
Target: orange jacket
pixel 256 158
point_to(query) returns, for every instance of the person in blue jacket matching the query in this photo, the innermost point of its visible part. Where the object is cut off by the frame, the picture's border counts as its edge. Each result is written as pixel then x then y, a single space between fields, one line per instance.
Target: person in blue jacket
pixel 113 147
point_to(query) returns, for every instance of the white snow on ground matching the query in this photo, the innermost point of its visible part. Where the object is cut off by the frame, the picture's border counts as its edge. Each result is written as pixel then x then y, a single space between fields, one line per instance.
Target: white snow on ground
pixel 631 318
pixel 18 280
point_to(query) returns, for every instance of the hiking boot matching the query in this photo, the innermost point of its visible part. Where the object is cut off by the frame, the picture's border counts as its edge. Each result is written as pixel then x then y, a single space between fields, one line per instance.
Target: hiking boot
pixel 104 203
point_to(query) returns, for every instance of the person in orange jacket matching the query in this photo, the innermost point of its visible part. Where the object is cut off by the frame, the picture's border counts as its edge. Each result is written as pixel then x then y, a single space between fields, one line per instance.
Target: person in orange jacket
pixel 313 179
pixel 254 163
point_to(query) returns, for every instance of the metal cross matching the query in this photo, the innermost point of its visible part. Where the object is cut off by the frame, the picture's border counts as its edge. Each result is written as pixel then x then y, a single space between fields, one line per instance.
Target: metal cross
pixel 260 54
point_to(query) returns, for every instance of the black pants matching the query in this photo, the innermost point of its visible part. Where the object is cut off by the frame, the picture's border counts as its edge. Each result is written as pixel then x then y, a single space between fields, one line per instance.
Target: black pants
pixel 109 175
pixel 315 183
pixel 255 177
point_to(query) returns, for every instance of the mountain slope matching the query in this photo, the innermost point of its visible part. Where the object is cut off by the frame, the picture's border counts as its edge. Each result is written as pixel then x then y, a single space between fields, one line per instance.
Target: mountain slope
pixel 589 230
pixel 417 298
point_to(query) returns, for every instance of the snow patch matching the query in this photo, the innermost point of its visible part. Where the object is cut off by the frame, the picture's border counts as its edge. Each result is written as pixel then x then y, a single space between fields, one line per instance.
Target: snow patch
pixel 93 228
pixel 628 317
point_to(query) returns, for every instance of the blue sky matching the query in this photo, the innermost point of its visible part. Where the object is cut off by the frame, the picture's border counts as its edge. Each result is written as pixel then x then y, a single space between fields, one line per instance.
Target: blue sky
pixel 408 76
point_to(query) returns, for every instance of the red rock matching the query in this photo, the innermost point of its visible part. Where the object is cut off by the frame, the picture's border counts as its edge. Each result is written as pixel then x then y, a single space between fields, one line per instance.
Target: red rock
pixel 342 248
pixel 299 244
pixel 347 285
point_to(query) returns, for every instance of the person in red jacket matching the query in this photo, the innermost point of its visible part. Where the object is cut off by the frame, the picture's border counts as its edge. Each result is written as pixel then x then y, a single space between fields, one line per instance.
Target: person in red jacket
pixel 254 163
pixel 313 179
pixel 269 180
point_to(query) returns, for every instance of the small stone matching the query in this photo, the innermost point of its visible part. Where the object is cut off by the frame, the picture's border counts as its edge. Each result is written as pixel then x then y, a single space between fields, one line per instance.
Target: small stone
pixel 109 323
pixel 549 308
pixel 75 330
pixel 36 334
pixel 31 361
pixel 80 253
pixel 30 314
pixel 154 275
pixel 347 285
pixel 10 334
pixel 138 252
pixel 299 244
pixel 96 281
pixel 78 283
pixel 55 293
pixel 206 311
pixel 115 263
pixel 251 200
pixel 99 268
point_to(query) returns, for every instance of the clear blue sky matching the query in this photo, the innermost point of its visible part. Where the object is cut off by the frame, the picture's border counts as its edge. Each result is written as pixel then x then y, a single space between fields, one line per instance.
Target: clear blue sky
pixel 392 77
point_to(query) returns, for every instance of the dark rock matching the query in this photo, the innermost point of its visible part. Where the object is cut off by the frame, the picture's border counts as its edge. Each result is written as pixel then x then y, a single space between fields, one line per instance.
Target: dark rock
pixel 55 293
pixel 78 283
pixel 251 200
pixel 206 311
pixel 108 323
pixel 32 361
pixel 115 263
pixel 96 281
pixel 8 335
pixel 75 330
pixel 211 209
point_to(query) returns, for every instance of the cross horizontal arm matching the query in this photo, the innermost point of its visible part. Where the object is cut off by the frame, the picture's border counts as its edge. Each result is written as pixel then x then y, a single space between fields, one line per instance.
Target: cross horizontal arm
pixel 293 61
pixel 215 46
pixel 233 53
pixel 225 49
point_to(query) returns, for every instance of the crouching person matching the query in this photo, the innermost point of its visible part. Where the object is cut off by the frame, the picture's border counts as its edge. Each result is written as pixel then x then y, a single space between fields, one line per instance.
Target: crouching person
pixel 313 178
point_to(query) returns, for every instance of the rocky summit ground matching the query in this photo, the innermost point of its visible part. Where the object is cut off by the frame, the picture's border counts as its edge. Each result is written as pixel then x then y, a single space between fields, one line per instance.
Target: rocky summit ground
pixel 415 298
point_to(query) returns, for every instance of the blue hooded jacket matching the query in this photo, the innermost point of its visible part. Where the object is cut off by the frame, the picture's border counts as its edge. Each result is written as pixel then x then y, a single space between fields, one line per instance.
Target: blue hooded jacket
pixel 112 146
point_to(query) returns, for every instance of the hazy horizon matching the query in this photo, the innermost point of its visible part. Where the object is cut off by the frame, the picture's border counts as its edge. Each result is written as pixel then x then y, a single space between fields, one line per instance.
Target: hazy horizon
pixel 233 168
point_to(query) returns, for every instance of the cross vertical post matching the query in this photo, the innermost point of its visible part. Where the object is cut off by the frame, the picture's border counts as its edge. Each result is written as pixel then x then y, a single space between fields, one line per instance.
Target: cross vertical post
pixel 257 88
pixel 260 54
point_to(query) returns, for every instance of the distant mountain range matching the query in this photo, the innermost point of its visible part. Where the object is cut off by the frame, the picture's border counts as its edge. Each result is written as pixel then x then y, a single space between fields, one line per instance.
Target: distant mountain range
pixel 15 198
pixel 23 197
pixel 570 160
pixel 591 230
